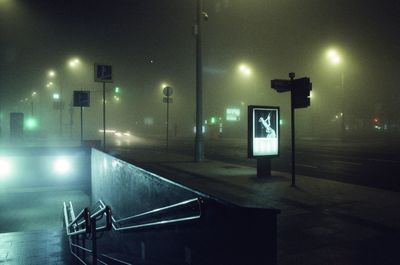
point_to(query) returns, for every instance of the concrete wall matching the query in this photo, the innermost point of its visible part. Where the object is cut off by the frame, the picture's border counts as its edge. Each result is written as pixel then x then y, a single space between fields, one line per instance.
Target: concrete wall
pixel 226 235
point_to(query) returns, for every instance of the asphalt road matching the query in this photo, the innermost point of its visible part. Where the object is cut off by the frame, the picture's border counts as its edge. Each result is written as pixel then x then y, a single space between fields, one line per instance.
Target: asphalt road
pixel 368 163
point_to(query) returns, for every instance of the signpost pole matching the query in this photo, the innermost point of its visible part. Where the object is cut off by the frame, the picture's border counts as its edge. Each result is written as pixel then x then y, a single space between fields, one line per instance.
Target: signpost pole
pixel 104 116
pixel 263 167
pixel 292 76
pixel 81 124
pixel 103 73
pixel 168 99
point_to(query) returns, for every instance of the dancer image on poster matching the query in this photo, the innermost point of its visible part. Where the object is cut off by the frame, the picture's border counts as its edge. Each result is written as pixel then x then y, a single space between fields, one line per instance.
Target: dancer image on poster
pixel 266 124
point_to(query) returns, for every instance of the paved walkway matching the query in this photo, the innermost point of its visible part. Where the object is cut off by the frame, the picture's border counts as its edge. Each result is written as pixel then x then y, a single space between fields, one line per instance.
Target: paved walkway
pixel 31 225
pixel 322 221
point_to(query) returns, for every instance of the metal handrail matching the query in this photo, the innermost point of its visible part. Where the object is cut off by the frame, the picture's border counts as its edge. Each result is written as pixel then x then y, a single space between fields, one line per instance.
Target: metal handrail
pixel 107 211
pixel 84 227
pixel 119 227
pixel 76 221
pixel 88 224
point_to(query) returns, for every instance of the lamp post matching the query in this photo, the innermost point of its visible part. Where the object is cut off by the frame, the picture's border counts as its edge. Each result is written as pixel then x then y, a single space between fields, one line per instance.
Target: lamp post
pixel 335 59
pixel 71 64
pixel 199 140
pixel 33 96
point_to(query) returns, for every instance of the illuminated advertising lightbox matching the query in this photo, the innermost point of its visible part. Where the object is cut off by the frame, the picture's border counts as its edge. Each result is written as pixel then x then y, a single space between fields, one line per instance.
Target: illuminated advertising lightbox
pixel 232 114
pixel 263 131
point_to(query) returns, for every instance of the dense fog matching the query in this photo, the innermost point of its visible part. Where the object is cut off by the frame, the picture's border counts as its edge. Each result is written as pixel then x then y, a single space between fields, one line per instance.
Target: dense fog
pixel 245 44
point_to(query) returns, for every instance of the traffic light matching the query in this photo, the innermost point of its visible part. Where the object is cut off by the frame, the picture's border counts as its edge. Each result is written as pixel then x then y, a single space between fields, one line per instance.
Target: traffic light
pixel 301 92
pixel 31 124
pixel 117 90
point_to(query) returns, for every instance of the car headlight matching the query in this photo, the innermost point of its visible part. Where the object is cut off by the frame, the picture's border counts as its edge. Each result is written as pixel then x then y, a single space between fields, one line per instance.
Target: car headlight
pixel 5 168
pixel 62 166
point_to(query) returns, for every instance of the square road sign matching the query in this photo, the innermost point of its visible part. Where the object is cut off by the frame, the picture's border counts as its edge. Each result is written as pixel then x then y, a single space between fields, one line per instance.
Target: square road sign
pixel 81 98
pixel 103 73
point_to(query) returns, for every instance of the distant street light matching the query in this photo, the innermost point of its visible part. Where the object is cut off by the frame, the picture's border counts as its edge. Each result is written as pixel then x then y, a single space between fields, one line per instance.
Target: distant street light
pixel 73 63
pixel 51 73
pixel 335 59
pixel 333 56
pixel 245 70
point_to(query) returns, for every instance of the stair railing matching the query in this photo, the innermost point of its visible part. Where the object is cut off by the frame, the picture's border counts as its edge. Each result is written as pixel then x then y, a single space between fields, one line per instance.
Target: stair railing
pixel 133 222
pixel 84 226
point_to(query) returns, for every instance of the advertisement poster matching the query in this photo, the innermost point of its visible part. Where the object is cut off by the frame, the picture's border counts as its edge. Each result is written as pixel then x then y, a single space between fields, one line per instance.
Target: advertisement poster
pixel 263 131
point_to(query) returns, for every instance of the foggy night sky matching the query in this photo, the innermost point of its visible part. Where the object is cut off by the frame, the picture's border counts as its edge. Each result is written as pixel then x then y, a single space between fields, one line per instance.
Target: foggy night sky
pixel 152 41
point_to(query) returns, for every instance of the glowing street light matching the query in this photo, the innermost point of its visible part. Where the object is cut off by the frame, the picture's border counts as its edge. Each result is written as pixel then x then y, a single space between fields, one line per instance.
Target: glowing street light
pixel 51 73
pixel 73 63
pixel 333 56
pixel 49 84
pixel 245 70
pixel 163 85
pixel 56 96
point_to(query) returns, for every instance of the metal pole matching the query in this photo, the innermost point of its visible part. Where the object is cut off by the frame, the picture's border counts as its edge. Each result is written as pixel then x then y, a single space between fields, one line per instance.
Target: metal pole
pixel 343 105
pixel 94 240
pixel 81 124
pixel 168 99
pixel 60 118
pixel 104 116
pixel 61 105
pixel 71 119
pixel 292 75
pixel 199 144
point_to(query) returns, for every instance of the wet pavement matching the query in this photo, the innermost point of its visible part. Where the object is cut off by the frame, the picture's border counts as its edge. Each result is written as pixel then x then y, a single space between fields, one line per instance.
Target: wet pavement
pixel 321 221
pixel 31 225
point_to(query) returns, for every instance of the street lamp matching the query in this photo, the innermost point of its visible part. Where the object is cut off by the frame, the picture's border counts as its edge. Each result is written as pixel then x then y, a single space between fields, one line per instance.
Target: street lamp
pixel 51 73
pixel 245 70
pixel 74 62
pixel 335 58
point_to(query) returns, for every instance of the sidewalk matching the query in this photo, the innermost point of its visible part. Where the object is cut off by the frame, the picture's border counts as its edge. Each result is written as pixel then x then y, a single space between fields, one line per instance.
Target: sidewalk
pixel 322 221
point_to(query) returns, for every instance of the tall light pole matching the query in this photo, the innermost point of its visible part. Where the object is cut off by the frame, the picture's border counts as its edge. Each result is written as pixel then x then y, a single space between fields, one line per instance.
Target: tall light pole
pixel 335 58
pixel 33 95
pixel 52 74
pixel 199 141
pixel 71 64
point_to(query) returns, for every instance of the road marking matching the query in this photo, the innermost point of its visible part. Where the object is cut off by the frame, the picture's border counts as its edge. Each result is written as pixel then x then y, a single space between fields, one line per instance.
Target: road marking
pixel 304 165
pixel 383 160
pixel 346 162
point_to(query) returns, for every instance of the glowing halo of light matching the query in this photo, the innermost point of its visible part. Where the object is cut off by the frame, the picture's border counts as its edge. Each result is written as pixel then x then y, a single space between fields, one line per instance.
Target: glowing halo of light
pixel 62 166
pixel 5 168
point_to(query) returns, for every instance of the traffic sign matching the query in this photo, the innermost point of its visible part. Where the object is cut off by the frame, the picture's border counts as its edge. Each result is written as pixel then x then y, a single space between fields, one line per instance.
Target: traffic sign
pixel 81 98
pixel 280 85
pixel 168 91
pixel 103 73
pixel 167 100
pixel 301 92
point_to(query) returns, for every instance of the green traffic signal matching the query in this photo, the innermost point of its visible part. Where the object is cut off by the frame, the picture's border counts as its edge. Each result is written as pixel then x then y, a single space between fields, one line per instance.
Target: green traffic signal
pixel 31 124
